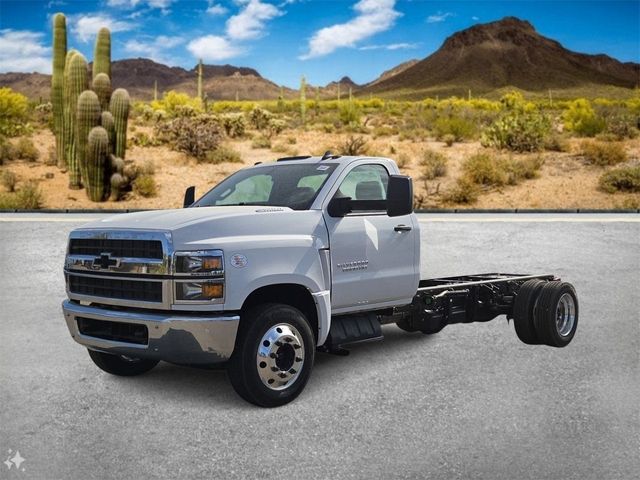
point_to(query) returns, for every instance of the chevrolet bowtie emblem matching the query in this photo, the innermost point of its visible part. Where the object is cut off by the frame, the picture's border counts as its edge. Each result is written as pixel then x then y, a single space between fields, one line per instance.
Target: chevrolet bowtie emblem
pixel 104 261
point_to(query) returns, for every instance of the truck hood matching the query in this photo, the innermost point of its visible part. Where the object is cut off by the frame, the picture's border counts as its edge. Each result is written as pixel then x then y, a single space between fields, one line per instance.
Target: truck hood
pixel 199 227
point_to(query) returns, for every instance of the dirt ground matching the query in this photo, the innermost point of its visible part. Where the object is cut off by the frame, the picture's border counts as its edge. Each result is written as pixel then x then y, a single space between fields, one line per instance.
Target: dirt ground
pixel 565 180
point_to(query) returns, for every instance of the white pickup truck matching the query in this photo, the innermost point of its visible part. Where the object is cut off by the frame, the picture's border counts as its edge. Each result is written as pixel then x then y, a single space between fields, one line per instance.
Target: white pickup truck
pixel 276 262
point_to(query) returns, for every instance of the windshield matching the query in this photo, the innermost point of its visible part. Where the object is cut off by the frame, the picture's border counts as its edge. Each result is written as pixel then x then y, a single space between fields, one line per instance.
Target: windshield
pixel 294 186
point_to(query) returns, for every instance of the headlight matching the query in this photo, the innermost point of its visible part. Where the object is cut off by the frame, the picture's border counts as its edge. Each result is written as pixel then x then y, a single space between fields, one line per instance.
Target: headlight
pixel 207 263
pixel 199 291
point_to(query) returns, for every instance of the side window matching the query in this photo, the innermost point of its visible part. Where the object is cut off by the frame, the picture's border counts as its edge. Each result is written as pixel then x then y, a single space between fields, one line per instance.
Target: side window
pixel 367 187
pixel 255 189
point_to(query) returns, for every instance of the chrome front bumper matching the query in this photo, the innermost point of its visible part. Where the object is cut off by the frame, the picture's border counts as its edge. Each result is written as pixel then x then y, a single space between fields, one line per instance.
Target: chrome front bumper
pixel 173 337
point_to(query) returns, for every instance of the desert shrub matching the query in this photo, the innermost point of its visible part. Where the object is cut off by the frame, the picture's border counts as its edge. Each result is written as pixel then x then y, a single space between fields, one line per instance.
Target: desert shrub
pixel 622 179
pixel 27 198
pixel 448 139
pixel 434 164
pixel 556 143
pixel 14 112
pixel 275 126
pixel 384 131
pixel 259 118
pixel 460 128
pixel 465 191
pixel 353 145
pixel 279 148
pixel 292 140
pixel 621 127
pixel 193 136
pixel 9 180
pixel 603 153
pixel 145 186
pixel 414 134
pixel 175 104
pixel 223 154
pixel 148 167
pixel 484 169
pixel 403 160
pixel 580 118
pixel 7 150
pixel 234 124
pixel 261 141
pixel 517 130
pixel 141 139
pixel 26 150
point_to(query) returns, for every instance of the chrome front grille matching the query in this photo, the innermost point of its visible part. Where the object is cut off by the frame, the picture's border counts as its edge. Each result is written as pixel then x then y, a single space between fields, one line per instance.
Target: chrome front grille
pixel 126 268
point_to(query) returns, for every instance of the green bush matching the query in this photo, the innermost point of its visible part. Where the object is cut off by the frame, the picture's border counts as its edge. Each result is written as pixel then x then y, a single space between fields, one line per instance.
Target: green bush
pixel 26 150
pixel 582 119
pixel 465 191
pixel 603 153
pixel 223 154
pixel 458 127
pixel 259 118
pixel 145 186
pixel 434 164
pixel 7 151
pixel 261 141
pixel 403 161
pixel 175 104
pixel 14 113
pixel 621 127
pixel 349 114
pixel 234 125
pixel 518 131
pixel 448 139
pixel 556 143
pixel 27 198
pixel 623 179
pixel 483 169
pixel 9 180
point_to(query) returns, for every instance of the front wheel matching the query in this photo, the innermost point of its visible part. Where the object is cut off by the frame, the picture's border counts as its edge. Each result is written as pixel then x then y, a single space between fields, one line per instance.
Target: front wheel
pixel 273 356
pixel 121 365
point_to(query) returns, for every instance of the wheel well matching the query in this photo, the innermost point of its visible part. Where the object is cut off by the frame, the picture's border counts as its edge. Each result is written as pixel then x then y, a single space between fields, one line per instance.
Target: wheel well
pixel 289 294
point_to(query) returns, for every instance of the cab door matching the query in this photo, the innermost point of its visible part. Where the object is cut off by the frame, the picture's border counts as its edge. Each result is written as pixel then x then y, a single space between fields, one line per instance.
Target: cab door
pixel 373 256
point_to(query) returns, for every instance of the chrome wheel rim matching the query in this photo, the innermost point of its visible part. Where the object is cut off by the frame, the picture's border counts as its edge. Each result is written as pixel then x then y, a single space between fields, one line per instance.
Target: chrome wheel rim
pixel 280 357
pixel 565 315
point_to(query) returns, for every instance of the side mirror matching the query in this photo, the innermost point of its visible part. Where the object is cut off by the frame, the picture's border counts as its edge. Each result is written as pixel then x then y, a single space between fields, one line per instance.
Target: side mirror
pixel 189 196
pixel 339 207
pixel 399 196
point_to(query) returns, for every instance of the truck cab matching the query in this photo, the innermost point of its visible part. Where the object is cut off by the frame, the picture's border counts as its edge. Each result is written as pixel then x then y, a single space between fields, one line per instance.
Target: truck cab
pixel 277 261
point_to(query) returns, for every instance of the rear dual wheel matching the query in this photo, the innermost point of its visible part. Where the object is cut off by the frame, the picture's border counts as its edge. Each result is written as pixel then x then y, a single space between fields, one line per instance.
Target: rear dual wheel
pixel 546 313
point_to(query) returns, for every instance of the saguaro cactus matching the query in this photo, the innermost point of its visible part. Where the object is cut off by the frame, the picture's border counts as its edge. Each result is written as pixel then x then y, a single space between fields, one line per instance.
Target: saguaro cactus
pixel 303 100
pixel 200 80
pixel 57 83
pixel 75 83
pixel 102 86
pixel 97 155
pixel 106 122
pixel 87 117
pixel 102 53
pixel 119 108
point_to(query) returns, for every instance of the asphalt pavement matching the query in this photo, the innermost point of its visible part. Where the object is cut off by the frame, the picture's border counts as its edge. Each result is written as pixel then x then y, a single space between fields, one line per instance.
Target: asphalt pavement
pixel 469 402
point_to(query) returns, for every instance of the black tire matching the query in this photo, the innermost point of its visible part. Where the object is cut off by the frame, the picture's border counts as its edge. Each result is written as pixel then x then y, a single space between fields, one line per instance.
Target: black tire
pixel 118 365
pixel 550 304
pixel 523 311
pixel 243 365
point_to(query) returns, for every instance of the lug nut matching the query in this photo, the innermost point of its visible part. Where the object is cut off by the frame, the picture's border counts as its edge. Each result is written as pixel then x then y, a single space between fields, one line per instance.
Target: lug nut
pixel 298 359
pixel 296 346
pixel 292 371
pixel 278 343
pixel 282 375
pixel 272 355
pixel 274 369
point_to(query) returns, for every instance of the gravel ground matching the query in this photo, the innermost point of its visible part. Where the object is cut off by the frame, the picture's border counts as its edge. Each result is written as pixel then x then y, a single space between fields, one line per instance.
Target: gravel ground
pixel 469 402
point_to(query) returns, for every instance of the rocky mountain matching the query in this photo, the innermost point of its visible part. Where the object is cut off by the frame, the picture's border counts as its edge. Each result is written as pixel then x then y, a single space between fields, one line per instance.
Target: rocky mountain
pixel 139 76
pixel 505 53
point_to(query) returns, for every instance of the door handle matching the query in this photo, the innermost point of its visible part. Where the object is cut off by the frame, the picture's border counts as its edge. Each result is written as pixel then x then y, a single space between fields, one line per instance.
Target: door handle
pixel 402 228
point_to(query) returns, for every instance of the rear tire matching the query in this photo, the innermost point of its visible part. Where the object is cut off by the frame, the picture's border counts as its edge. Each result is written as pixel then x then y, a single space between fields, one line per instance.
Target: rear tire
pixel 523 311
pixel 120 365
pixel 556 314
pixel 273 355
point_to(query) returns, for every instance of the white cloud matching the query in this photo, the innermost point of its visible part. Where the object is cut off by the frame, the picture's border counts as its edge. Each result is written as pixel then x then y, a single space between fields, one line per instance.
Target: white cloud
pixel 216 9
pixel 213 48
pixel 249 23
pixel 85 27
pixel 390 46
pixel 373 16
pixel 155 49
pixel 439 17
pixel 23 51
pixel 161 4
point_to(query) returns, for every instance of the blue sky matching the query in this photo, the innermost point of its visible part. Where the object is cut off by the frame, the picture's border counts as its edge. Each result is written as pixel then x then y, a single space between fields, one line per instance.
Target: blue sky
pixel 284 39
